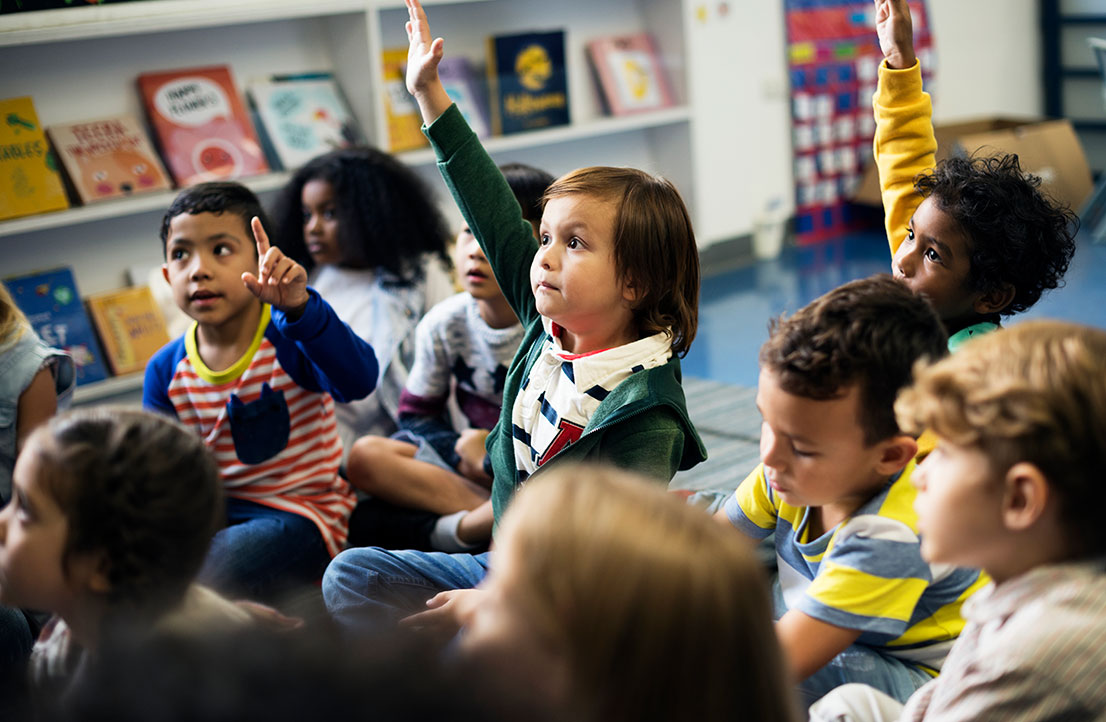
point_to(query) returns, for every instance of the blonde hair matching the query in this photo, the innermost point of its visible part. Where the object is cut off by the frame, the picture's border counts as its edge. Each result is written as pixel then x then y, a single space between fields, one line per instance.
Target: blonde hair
pixel 654 246
pixel 659 611
pixel 1035 392
pixel 13 324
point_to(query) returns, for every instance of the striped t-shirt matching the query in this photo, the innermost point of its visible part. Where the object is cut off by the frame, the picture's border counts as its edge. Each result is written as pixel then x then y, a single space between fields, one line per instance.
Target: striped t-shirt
pixel 562 391
pixel 866 573
pixel 268 419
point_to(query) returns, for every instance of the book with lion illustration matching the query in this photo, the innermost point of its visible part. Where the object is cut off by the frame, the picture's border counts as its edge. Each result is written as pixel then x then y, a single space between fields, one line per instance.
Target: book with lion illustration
pixel 108 158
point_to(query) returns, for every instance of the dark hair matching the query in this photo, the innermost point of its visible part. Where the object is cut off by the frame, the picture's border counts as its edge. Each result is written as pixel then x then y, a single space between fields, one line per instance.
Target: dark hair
pixel 387 217
pixel 255 674
pixel 1018 235
pixel 217 197
pixel 139 488
pixel 654 246
pixel 868 332
pixel 529 185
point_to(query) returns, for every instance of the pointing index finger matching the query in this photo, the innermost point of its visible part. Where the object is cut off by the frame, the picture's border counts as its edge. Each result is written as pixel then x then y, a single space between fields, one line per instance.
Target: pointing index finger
pixel 260 236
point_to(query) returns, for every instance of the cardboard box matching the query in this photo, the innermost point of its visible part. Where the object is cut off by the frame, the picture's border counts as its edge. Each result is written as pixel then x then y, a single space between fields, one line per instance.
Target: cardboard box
pixel 1049 149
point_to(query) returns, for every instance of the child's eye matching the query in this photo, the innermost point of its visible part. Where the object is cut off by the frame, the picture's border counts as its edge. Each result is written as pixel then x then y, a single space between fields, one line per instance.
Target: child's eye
pixel 574 243
pixel 330 214
pixel 177 254
pixel 909 233
pixel 223 249
pixel 802 452
pixel 933 255
pixel 544 239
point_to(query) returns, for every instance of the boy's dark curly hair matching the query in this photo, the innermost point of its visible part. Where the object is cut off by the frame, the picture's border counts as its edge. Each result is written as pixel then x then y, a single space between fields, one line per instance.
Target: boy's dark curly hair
pixel 529 185
pixel 141 490
pixel 217 197
pixel 1018 235
pixel 868 332
pixel 387 217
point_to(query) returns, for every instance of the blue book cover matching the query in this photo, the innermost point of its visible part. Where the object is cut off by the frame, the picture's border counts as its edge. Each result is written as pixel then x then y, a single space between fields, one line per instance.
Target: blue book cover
pixel 51 303
pixel 529 84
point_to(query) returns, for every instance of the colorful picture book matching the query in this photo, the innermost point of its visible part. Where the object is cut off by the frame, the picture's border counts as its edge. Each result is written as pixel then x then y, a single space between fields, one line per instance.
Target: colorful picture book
pixel 298 117
pixel 130 327
pixel 466 87
pixel 201 125
pixel 108 158
pixel 29 178
pixel 527 81
pixel 404 121
pixel 50 301
pixel 629 73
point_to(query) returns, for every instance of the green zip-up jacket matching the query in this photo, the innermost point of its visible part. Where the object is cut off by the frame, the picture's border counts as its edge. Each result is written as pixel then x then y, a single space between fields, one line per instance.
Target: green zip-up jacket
pixel 642 425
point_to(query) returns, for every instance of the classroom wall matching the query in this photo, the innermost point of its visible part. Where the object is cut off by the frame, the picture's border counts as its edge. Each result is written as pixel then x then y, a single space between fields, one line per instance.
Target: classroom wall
pixel 988 58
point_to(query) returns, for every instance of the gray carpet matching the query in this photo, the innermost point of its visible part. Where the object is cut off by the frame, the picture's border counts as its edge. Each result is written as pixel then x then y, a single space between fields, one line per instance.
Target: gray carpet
pixel 729 424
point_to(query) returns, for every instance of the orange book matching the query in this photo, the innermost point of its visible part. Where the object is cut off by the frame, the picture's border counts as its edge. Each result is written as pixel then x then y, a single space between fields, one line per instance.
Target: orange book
pixel 130 326
pixel 108 158
pixel 201 124
pixel 404 121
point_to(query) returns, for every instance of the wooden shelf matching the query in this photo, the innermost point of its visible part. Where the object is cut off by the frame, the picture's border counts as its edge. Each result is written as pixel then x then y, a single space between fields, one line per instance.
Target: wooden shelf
pixel 107 388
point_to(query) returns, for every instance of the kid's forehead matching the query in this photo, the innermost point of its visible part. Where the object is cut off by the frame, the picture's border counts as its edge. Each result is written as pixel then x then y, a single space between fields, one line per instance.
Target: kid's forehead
pixel 198 227
pixel 808 416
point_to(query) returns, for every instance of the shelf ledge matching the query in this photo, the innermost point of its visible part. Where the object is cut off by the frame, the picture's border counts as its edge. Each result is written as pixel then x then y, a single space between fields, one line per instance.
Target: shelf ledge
pixel 114 386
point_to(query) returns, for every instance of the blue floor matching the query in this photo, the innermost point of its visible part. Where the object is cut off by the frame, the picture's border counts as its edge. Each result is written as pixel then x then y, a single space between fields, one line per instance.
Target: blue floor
pixel 735 305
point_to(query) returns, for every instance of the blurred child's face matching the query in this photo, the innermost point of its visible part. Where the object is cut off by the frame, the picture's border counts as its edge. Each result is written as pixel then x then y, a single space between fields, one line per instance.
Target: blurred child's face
pixel 959 507
pixel 502 634
pixel 473 270
pixel 320 222
pixel 814 452
pixel 935 262
pixel 33 533
pixel 206 255
pixel 574 278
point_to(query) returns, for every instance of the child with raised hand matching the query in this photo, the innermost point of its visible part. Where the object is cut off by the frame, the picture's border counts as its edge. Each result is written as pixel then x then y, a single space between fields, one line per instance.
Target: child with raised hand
pixel 856 601
pixel 976 236
pixel 425 478
pixel 1015 487
pixel 373 241
pixel 256 377
pixel 608 296
pixel 594 618
pixel 111 516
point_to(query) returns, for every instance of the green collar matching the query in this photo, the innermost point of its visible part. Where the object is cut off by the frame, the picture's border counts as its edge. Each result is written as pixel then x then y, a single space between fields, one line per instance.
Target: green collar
pixel 960 337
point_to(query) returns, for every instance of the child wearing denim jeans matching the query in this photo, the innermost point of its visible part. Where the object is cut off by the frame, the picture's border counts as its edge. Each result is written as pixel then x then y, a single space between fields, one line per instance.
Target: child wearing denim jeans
pixel 609 303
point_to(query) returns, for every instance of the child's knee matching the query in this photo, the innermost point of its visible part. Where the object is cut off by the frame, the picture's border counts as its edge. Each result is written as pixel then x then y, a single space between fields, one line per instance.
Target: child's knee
pixel 364 459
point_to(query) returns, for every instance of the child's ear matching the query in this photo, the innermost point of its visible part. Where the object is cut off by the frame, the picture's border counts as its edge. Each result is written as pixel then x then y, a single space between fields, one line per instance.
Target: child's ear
pixel 895 454
pixel 1026 497
pixel 165 272
pixel 629 292
pixel 91 571
pixel 994 300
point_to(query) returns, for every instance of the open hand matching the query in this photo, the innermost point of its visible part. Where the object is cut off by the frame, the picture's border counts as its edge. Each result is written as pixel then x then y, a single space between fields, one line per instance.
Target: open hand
pixel 281 281
pixel 424 53
pixel 446 612
pixel 896 33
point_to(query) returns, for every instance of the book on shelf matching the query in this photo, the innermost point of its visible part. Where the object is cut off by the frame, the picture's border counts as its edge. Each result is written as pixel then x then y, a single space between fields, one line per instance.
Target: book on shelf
pixel 51 303
pixel 201 125
pixel 527 81
pixel 130 326
pixel 298 117
pixel 467 88
pixel 29 178
pixel 151 276
pixel 108 158
pixel 404 120
pixel 629 74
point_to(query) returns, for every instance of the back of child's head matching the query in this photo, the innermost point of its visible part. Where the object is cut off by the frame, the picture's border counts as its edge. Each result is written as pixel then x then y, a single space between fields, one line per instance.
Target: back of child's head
pixel 1018 236
pixel 529 185
pixel 217 197
pixel 868 332
pixel 139 489
pixel 386 214
pixel 654 246
pixel 1034 392
pixel 659 612
pixel 13 324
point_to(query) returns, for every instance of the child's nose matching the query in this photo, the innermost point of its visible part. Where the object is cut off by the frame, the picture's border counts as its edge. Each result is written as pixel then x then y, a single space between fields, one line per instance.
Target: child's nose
pixel 769 447
pixel 905 263
pixel 198 268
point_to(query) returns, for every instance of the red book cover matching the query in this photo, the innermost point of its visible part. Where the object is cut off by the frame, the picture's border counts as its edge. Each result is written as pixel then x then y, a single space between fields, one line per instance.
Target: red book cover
pixel 201 125
pixel 630 74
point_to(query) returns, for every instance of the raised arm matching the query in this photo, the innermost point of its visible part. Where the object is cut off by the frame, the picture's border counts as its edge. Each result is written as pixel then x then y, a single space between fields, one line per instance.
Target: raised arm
pixel 423 57
pixel 904 144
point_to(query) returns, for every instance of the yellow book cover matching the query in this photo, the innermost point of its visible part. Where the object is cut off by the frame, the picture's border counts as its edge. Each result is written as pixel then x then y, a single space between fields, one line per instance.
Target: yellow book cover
pixel 29 178
pixel 404 121
pixel 130 326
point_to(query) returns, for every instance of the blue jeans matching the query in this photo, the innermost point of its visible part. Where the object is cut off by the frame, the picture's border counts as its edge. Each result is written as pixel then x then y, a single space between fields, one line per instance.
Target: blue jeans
pixel 368 590
pixel 263 552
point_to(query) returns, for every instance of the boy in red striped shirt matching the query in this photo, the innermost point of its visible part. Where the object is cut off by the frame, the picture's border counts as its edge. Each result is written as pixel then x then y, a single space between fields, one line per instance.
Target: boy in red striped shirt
pixel 256 375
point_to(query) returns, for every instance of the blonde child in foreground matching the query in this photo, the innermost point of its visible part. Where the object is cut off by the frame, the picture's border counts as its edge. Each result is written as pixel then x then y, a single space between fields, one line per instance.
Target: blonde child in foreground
pixel 110 519
pixel 608 297
pixel 857 601
pixel 1015 487
pixel 611 600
